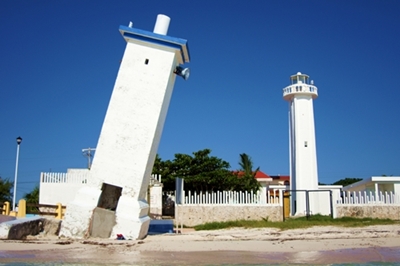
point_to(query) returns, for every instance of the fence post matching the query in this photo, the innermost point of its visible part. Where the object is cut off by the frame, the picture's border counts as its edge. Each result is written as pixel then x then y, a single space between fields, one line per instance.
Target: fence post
pixel 6 208
pixel 21 208
pixel 307 205
pixel 59 211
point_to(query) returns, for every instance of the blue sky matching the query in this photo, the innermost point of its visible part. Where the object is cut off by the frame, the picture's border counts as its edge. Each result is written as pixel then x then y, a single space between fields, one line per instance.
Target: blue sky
pixel 59 61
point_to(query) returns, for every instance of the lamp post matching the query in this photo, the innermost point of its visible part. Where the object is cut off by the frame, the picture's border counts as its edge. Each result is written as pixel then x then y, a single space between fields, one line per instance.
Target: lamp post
pixel 19 140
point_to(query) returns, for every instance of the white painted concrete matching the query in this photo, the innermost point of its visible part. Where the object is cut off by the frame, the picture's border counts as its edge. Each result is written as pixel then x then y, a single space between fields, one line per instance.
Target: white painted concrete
pixel 324 201
pixel 130 134
pixel 156 200
pixel 61 187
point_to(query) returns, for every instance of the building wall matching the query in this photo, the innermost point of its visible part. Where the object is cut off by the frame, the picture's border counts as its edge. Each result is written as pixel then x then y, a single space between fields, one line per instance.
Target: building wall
pixel 386 187
pixel 77 171
pixel 396 188
pixel 192 215
pixel 53 193
pixel 381 183
pixel 155 200
pixel 61 187
pixel 323 199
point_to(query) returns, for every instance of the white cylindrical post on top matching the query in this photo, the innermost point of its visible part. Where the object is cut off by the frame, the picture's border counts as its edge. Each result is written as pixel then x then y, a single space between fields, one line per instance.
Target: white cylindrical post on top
pixel 162 24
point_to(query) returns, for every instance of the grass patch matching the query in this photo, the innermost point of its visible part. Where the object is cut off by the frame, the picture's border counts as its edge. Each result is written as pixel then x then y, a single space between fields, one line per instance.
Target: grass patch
pixel 295 223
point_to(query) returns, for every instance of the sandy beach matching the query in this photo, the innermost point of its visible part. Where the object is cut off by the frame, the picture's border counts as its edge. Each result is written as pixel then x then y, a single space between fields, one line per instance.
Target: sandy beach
pixel 317 245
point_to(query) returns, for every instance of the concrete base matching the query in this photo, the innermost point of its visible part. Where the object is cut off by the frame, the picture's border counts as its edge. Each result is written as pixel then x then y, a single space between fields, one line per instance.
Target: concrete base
pixel 102 223
pixel 131 217
pixel 77 218
pixel 20 228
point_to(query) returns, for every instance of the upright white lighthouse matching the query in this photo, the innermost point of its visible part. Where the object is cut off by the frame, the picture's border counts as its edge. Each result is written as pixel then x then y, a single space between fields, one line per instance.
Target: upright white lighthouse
pixel 303 156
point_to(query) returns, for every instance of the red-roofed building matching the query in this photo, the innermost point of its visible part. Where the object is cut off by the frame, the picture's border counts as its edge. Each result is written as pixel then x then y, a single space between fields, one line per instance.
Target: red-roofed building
pixel 281 180
pixel 270 185
pixel 260 176
pixel 263 178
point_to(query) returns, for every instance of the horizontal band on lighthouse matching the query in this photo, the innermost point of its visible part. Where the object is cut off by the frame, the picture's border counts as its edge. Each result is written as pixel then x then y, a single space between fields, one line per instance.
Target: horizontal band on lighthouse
pixel 147 36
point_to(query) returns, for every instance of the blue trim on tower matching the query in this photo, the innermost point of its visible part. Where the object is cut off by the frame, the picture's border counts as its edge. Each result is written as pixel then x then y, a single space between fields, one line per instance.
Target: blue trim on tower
pixel 158 39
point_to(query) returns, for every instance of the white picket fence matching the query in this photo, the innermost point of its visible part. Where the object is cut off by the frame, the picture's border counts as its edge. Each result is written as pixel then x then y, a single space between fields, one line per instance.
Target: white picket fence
pixel 364 197
pixel 63 178
pixel 231 198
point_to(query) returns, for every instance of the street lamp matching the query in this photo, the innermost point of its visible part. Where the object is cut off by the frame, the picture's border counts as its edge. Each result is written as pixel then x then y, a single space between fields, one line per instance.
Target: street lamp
pixel 19 140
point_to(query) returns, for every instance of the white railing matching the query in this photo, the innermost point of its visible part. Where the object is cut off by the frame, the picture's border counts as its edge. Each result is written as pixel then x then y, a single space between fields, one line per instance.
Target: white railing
pixel 364 197
pixel 231 198
pixel 63 178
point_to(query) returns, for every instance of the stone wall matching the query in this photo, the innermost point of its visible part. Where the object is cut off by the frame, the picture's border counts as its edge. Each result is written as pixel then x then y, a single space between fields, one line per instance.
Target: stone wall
pixel 192 215
pixel 371 211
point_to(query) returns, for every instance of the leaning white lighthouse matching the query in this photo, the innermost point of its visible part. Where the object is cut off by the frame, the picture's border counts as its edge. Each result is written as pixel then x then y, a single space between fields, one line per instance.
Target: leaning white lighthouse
pixel 113 201
pixel 303 156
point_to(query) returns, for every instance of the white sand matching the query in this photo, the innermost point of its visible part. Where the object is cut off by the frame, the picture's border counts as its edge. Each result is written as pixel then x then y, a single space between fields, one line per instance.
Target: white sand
pixel 310 239
pixel 231 246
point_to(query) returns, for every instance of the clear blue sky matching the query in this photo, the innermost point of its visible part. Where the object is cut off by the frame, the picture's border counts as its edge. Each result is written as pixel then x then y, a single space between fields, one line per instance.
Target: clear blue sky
pixel 59 61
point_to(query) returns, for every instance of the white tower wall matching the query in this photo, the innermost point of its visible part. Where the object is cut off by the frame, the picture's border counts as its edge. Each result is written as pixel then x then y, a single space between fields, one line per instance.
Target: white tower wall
pixel 135 119
pixel 304 139
pixel 128 142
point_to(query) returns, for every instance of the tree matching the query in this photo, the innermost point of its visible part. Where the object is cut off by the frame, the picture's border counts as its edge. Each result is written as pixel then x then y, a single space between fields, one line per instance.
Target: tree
pixel 203 172
pixel 246 165
pixel 165 170
pixel 200 171
pixel 347 181
pixel 246 175
pixel 32 198
pixel 5 190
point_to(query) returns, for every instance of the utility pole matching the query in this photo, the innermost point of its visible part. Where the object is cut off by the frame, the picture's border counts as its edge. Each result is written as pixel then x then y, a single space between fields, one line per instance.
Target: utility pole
pixel 88 153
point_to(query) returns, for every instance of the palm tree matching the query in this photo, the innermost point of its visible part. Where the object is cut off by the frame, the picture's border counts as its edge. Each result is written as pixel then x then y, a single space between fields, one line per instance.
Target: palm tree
pixel 246 165
pixel 248 179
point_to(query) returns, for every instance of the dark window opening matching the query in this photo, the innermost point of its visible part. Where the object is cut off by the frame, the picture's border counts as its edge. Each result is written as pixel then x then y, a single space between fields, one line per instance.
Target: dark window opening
pixel 146 62
pixel 109 197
